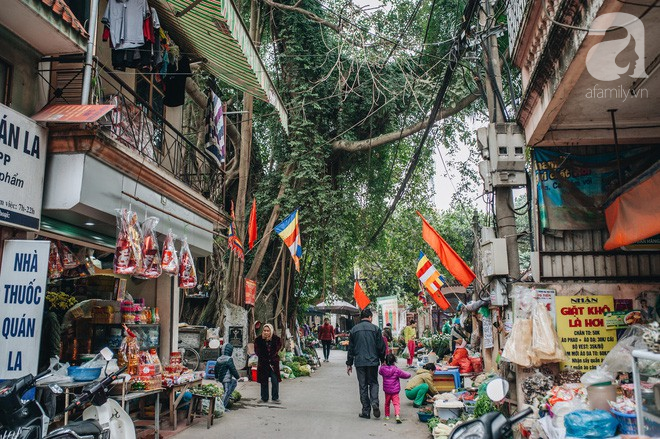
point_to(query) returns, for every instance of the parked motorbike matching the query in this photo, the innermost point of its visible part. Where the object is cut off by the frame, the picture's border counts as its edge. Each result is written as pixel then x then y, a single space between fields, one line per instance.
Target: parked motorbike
pixel 27 420
pixel 492 425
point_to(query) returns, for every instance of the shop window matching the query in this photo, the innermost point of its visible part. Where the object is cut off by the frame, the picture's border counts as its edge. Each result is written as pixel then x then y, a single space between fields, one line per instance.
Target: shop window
pixel 152 93
pixel 5 82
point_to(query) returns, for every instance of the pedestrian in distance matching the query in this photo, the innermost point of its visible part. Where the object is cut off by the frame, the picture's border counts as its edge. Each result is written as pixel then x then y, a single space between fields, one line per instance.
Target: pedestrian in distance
pixel 391 386
pixel 387 345
pixel 409 336
pixel 326 335
pixel 267 347
pixel 420 385
pixel 226 373
pixel 366 351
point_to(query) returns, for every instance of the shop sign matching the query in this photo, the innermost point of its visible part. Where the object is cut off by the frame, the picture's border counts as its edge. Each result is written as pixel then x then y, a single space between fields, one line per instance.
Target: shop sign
pixel 250 291
pixel 22 166
pixel 23 276
pixel 236 336
pixel 487 325
pixel 622 319
pixel 581 329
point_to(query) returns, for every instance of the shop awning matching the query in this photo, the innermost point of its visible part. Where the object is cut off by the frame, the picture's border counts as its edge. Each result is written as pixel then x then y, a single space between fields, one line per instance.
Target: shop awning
pixel 64 113
pixel 52 228
pixel 633 211
pixel 218 34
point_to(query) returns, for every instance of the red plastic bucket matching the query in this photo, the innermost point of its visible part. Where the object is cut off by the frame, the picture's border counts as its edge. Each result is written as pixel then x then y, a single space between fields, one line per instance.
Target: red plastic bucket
pixel 254 373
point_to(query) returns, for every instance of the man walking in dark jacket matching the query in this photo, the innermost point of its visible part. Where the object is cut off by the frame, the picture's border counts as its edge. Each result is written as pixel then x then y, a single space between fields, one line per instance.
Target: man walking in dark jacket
pixel 366 350
pixel 226 373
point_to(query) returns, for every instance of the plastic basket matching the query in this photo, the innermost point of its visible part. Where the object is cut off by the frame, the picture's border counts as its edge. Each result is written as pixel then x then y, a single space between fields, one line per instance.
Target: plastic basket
pixel 84 373
pixel 469 406
pixel 627 422
pixel 424 416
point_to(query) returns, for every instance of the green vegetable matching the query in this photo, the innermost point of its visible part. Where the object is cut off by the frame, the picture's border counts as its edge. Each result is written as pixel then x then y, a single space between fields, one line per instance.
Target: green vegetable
pixel 207 390
pixel 484 405
pixel 235 396
pixel 433 422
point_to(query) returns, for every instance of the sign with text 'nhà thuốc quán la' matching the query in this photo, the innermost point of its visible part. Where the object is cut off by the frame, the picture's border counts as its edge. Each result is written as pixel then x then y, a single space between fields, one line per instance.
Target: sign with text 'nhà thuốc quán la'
pixel 582 331
pixel 22 295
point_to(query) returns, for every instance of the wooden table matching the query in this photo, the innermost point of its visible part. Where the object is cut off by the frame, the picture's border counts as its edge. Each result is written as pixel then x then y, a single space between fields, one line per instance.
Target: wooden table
pixel 67 392
pixel 126 399
pixel 174 401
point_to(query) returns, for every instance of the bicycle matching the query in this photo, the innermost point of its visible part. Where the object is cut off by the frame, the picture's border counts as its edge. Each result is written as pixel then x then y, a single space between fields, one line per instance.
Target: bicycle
pixel 190 358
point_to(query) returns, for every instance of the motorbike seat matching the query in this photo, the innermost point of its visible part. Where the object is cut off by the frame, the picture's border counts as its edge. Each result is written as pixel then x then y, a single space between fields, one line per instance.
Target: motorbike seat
pixel 89 427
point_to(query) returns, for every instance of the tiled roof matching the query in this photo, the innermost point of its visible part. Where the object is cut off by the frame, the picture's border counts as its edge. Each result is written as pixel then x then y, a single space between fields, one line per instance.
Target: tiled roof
pixel 60 8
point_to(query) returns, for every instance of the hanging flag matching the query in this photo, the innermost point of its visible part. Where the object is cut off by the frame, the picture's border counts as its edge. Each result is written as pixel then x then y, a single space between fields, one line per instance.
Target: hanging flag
pixel 252 227
pixel 290 234
pixel 432 280
pixel 215 131
pixel 360 297
pixel 449 258
pixel 233 241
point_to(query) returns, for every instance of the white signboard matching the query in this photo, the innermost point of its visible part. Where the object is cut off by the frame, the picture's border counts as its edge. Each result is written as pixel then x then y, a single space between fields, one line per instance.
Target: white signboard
pixel 547 297
pixel 487 325
pixel 23 293
pixel 22 164
pixel 389 308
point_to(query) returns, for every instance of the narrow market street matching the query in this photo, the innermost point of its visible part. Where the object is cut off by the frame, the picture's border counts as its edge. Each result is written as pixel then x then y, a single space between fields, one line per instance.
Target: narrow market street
pixel 324 405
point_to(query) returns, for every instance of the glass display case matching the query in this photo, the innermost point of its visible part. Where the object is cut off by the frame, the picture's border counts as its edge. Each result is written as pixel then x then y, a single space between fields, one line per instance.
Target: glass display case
pixel 647 396
pixel 111 335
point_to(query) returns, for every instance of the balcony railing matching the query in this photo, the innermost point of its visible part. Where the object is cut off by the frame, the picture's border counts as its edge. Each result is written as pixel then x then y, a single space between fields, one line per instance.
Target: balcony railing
pixel 515 14
pixel 138 126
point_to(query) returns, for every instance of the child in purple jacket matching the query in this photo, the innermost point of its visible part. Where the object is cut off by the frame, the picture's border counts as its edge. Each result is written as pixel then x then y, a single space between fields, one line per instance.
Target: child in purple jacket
pixel 391 375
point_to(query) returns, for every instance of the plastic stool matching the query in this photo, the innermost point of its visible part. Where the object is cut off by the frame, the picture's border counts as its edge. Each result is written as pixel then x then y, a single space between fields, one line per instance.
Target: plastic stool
pixel 195 409
pixel 453 372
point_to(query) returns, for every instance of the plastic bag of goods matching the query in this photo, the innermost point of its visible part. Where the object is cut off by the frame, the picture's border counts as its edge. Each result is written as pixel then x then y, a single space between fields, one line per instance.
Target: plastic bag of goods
pixel 518 346
pixel 546 347
pixel 128 254
pixel 129 353
pixel 169 261
pixel 150 268
pixel 55 267
pixel 590 424
pixel 187 271
pixel 69 260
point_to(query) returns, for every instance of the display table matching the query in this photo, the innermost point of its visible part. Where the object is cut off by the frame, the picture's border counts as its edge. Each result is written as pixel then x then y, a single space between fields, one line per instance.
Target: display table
pixel 67 387
pixel 126 399
pixel 174 401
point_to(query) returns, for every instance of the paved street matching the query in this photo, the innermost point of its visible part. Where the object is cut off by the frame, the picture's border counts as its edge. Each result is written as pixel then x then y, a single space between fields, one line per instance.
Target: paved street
pixel 324 405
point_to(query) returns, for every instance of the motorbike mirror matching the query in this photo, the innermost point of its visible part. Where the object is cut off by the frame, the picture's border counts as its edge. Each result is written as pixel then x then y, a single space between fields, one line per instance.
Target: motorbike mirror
pixel 497 389
pixel 55 389
pixel 107 353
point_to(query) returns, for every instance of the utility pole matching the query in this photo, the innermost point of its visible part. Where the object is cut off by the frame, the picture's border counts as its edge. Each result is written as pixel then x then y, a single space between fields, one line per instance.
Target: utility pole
pixel 506 220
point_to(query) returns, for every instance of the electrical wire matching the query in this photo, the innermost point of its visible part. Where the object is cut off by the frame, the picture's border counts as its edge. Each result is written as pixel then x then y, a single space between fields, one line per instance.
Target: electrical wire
pixel 457 50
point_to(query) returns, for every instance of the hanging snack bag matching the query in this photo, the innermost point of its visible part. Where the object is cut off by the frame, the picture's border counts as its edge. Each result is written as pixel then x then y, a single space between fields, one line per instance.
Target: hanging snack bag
pixel 129 352
pixel 187 272
pixel 55 267
pixel 150 267
pixel 128 254
pixel 170 261
pixel 69 260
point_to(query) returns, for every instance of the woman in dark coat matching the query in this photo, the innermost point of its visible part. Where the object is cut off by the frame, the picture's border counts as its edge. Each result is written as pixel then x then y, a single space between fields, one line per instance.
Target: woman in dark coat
pixel 267 347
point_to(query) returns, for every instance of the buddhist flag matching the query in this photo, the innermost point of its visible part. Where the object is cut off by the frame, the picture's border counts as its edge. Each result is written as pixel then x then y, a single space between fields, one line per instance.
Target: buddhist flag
pixel 290 234
pixel 432 280
pixel 360 298
pixel 252 227
pixel 449 258
pixel 233 240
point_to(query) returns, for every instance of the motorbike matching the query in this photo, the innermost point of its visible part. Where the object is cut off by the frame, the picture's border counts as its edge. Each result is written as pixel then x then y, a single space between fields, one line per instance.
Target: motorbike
pixel 492 425
pixel 105 418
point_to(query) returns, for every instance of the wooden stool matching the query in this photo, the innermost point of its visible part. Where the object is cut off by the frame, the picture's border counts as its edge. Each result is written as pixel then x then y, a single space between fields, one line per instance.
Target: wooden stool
pixel 195 409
